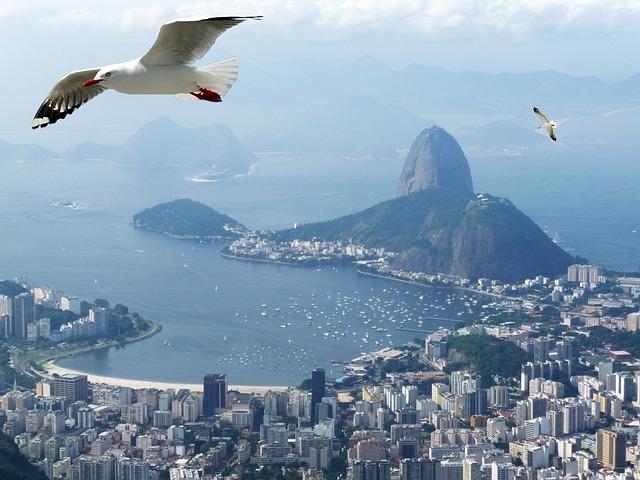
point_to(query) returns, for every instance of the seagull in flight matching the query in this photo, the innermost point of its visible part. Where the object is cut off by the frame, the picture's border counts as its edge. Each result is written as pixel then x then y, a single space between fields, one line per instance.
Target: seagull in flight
pixel 165 69
pixel 548 125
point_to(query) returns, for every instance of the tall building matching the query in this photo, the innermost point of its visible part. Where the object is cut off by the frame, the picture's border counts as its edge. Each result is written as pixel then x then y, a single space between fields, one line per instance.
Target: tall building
pixel 610 448
pixel 98 316
pixel 73 387
pixel 317 391
pixel 17 311
pixel 360 470
pixel 419 469
pixel 215 393
pixel 471 469
pixel 584 274
pixel 501 471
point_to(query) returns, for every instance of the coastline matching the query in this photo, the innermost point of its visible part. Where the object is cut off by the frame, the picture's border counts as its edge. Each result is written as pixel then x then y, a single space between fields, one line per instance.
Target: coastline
pixel 258 260
pixel 424 285
pixel 52 368
pixel 182 237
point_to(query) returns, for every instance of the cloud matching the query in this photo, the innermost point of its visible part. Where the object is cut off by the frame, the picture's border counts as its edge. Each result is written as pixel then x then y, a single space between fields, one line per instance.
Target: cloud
pixel 12 9
pixel 79 17
pixel 145 17
pixel 357 17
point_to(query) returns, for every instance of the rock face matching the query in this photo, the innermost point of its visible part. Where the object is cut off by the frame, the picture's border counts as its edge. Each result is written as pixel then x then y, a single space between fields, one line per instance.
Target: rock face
pixel 435 160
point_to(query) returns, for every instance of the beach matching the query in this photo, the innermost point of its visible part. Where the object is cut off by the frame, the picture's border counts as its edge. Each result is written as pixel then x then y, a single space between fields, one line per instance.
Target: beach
pixel 52 368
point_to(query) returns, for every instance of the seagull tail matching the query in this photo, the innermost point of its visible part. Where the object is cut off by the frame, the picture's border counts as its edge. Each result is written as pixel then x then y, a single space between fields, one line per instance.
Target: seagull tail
pixel 219 76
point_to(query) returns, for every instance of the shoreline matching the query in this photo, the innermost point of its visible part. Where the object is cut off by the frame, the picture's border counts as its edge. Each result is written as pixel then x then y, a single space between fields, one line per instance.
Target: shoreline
pixel 259 260
pixel 424 285
pixel 182 237
pixel 52 368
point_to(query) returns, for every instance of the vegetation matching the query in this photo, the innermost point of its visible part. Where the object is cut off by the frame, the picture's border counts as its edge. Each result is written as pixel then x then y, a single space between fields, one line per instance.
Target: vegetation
pixel 396 224
pixel 489 356
pixel 442 230
pixel 11 289
pixel 57 317
pixel 10 373
pixel 616 340
pixel 410 364
pixel 185 218
pixel 14 465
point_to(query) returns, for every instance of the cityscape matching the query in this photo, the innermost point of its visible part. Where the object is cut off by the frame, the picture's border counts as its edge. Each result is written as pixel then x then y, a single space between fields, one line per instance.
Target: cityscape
pixel 320 240
pixel 548 385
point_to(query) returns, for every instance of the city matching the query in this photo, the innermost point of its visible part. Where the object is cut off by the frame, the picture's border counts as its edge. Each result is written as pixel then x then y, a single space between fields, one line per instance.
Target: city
pixel 459 403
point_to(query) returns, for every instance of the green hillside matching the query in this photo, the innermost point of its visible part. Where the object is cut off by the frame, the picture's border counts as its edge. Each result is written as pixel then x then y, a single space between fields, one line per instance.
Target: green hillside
pixel 187 219
pixel 438 230
pixel 14 465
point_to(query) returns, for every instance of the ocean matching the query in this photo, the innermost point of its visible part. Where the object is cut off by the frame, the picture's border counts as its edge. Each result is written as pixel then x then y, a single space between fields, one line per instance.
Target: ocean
pixel 265 324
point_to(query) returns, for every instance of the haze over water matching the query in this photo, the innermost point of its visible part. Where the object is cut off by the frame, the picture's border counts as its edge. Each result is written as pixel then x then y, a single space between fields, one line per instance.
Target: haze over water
pixel 94 252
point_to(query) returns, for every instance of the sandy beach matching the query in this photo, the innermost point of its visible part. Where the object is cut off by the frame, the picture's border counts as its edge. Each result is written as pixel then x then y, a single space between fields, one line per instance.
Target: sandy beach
pixel 52 368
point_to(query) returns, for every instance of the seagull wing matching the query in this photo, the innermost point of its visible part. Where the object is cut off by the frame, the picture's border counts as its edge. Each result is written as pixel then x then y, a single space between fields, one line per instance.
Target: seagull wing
pixel 185 41
pixel 551 131
pixel 540 115
pixel 67 95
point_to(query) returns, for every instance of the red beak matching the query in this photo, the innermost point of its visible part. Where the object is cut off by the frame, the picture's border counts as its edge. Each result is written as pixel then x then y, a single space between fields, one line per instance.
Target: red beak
pixel 88 83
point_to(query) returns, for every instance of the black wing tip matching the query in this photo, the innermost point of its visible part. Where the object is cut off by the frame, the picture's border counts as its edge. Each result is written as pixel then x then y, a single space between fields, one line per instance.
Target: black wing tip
pixel 536 110
pixel 241 19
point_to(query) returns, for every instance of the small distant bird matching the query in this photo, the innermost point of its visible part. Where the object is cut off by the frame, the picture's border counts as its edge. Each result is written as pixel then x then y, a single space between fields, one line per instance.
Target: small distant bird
pixel 164 69
pixel 548 125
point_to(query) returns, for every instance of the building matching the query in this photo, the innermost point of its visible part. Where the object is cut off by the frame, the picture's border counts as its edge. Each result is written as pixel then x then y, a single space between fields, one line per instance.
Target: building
pixel 215 393
pixel 72 387
pixel 317 392
pixel 610 448
pixel 501 471
pixel 70 303
pixel 584 274
pixel 369 470
pixel 17 312
pixel 420 469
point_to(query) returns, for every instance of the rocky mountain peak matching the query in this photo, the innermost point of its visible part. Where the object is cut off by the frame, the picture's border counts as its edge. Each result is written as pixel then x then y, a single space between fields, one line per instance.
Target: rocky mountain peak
pixel 435 160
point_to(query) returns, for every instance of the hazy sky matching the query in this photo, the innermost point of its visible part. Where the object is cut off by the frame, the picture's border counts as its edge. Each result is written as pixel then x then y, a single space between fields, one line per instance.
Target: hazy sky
pixel 44 40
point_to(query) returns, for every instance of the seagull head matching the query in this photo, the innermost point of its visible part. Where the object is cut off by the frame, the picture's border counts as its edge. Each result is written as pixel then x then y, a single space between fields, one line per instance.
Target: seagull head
pixel 103 76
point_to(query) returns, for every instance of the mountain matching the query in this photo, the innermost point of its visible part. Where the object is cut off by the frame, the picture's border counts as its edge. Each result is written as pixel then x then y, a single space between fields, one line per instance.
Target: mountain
pixel 162 142
pixel 186 218
pixel 435 160
pixel 437 224
pixel 501 134
pixel 213 149
pixel 10 151
pixel 356 126
pixel 439 230
pixel 90 151
pixel 14 465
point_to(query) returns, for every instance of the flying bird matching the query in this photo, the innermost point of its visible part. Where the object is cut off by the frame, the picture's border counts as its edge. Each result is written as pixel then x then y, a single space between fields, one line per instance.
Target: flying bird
pixel 165 69
pixel 548 125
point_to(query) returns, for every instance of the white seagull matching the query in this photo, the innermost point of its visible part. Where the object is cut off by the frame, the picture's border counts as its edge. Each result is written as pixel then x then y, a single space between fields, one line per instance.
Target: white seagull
pixel 548 125
pixel 164 69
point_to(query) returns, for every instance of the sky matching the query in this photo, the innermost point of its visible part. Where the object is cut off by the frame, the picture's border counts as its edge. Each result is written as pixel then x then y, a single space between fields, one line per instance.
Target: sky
pixel 42 41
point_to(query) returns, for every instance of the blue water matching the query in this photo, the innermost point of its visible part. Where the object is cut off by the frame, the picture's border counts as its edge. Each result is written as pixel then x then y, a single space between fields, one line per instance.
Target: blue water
pixel 95 252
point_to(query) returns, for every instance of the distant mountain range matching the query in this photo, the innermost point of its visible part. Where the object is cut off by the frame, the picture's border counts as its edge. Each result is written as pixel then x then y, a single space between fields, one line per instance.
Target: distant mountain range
pixel 357 126
pixel 438 225
pixel 159 143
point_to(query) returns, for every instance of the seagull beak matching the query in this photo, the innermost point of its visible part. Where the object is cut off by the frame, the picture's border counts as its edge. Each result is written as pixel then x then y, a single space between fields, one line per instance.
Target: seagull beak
pixel 92 81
